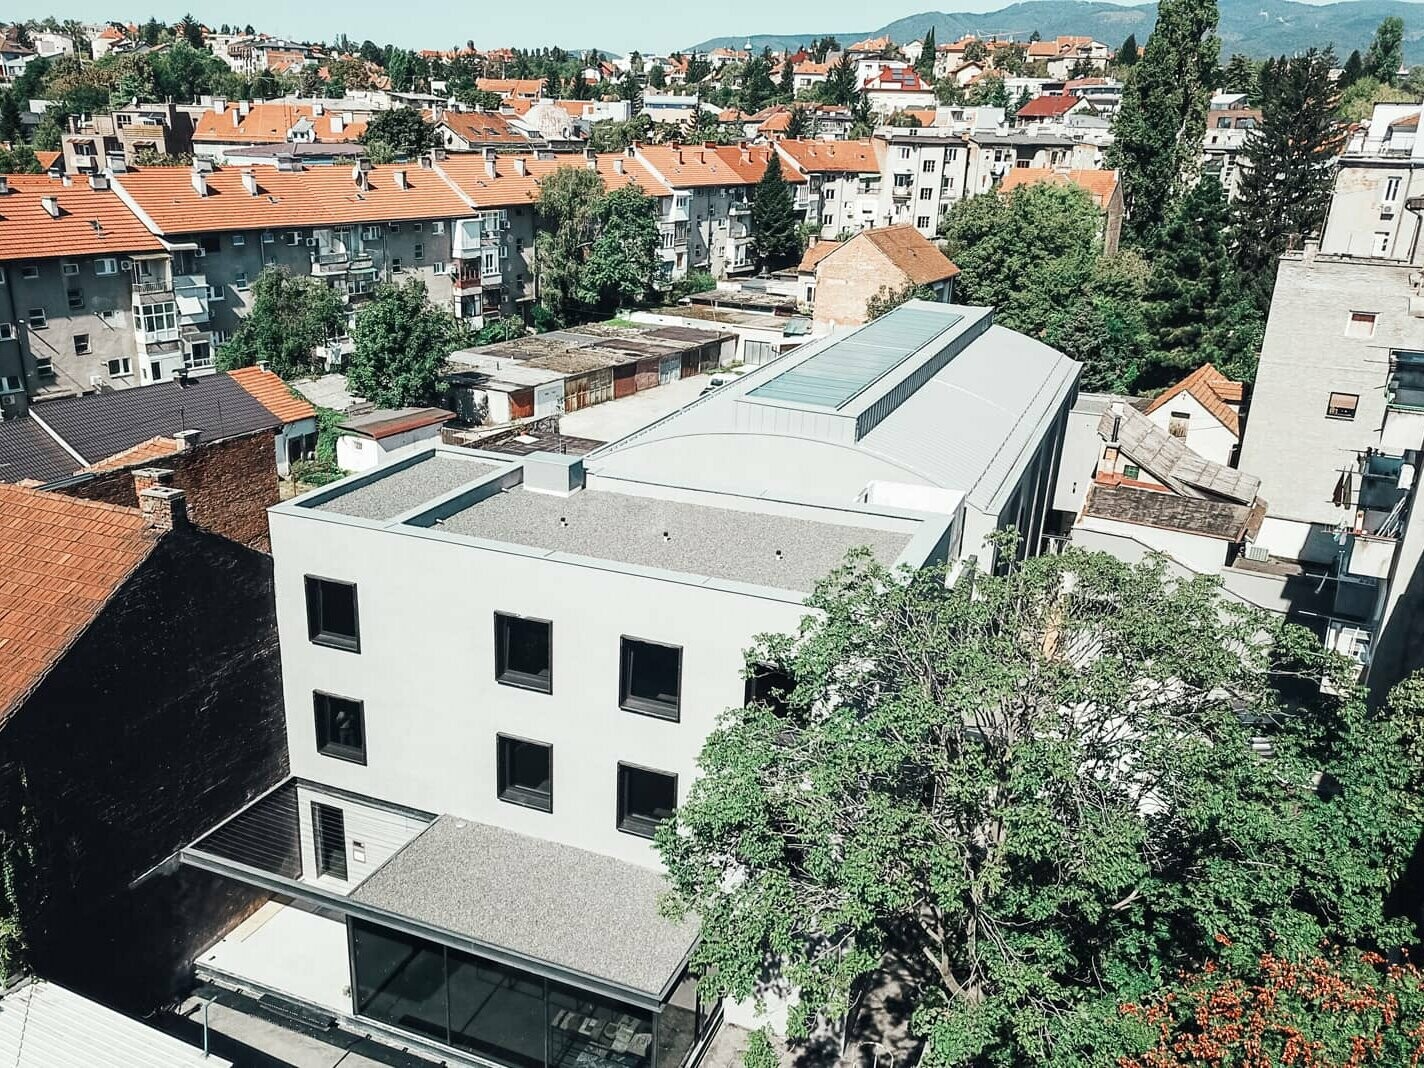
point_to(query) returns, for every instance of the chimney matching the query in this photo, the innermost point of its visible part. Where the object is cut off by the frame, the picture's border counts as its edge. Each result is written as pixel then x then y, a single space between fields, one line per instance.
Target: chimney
pixel 400 179
pixel 337 124
pixel 618 165
pixel 98 182
pixel 631 151
pixel 4 184
pixel 318 110
pixel 236 119
pixel 249 181
pixel 521 166
pixel 164 507
pixel 148 477
pixel 244 108
pixel 489 153
pixel 51 206
pixel 187 439
pixel 358 175
pixel 491 169
pixel 219 104
pixel 263 366
pixel 200 183
pixel 678 153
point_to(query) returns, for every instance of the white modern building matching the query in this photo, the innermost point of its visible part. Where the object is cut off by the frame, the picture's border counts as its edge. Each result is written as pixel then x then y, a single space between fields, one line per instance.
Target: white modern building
pixel 499 672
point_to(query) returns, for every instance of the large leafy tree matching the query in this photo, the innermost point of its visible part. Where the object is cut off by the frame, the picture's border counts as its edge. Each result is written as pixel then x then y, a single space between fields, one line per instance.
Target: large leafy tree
pixel 289 317
pixel 1195 307
pixel 569 206
pixel 1288 166
pixel 623 258
pixel 1045 787
pixel 401 342
pixel 1386 52
pixel 776 229
pixel 1158 130
pixel 405 130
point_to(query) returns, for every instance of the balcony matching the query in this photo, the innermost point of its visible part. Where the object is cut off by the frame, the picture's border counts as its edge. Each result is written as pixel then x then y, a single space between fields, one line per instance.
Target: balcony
pixel 153 290
pixel 466 278
pixel 330 264
pixel 1404 400
pixel 1369 557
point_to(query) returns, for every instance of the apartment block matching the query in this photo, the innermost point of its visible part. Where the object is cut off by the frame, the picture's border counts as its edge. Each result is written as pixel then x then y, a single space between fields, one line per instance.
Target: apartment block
pixel 499 671
pixel 842 182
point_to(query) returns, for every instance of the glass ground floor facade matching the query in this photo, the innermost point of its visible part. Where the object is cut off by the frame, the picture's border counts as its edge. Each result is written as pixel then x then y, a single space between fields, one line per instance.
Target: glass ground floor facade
pixel 513 1017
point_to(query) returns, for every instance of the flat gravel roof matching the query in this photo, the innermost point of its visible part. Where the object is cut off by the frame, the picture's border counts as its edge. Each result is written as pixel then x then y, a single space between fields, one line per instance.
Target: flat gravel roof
pixel 580 911
pixel 400 491
pixel 781 551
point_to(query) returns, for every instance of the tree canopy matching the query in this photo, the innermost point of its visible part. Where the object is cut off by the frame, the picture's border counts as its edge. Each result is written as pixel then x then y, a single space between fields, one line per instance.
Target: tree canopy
pixel 1047 785
pixel 776 229
pixel 401 341
pixel 405 130
pixel 1386 52
pixel 289 317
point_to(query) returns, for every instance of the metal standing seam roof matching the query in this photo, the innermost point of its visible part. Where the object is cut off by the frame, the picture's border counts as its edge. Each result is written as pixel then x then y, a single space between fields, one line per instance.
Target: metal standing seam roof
pixel 849 366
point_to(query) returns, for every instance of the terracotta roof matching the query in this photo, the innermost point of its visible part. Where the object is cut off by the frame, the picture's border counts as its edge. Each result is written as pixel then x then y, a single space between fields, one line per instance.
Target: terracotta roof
pixel 273 394
pixel 832 157
pixel 48 159
pixel 1099 184
pixel 387 422
pixel 272 124
pixel 1409 122
pixel 896 80
pixel 483 127
pixel 692 166
pixel 1048 107
pixel 925 115
pixel 91 222
pixel 319 196
pixel 155 448
pixel 815 254
pixel 509 188
pixel 811 69
pixel 871 44
pixel 511 86
pixel 61 560
pixel 917 258
pixel 1212 390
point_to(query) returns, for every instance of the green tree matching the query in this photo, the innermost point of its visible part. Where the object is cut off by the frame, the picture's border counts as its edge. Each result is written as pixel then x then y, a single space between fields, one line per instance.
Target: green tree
pixel 401 342
pixel 1127 54
pixel 887 299
pixel 1158 130
pixel 698 69
pixel 989 91
pixel 1102 326
pixel 976 51
pixel 1288 167
pixel 404 129
pixel 290 316
pixel 19 160
pixel 1195 307
pixel 776 236
pixel 191 31
pixel 623 259
pixel 1357 103
pixel 1386 51
pixel 657 78
pixel 757 88
pixel 841 86
pixel 1240 75
pixel 925 67
pixel 11 128
pixel 569 204
pixel 1352 70
pixel 48 135
pixel 630 88
pixel 1039 783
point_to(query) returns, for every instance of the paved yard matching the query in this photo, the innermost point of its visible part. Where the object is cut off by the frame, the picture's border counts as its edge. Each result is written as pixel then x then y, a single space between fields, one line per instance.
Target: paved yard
pixel 619 418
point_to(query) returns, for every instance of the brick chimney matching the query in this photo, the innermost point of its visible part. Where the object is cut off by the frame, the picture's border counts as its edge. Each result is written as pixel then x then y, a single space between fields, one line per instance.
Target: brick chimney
pixel 164 507
pixel 148 477
pixel 186 439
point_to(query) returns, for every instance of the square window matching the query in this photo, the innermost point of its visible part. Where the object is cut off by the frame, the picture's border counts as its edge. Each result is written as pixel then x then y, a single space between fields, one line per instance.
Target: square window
pixel 526 772
pixel 770 686
pixel 106 265
pixel 238 240
pixel 1342 405
pixel 120 366
pixel 76 299
pixel 645 798
pixel 417 227
pixel 29 270
pixel 332 615
pixel 240 281
pixel 329 840
pixel 395 263
pixel 1131 471
pixel 37 318
pixel 1361 324
pixel 68 268
pixel 7 331
pixel 523 652
pixel 81 344
pixel 268 237
pixel 340 727
pixel 650 678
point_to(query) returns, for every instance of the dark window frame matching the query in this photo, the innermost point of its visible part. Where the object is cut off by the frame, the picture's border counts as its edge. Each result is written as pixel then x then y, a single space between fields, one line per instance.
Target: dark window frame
pixel 321 710
pixel 636 824
pixel 514 793
pixel 331 639
pixel 506 676
pixel 319 833
pixel 645 706
pixel 1339 411
pixel 760 681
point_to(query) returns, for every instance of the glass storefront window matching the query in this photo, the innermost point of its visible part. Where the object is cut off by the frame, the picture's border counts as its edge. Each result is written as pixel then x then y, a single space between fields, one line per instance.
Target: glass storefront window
pixel 400 980
pixel 496 1011
pixel 683 1022
pixel 587 1031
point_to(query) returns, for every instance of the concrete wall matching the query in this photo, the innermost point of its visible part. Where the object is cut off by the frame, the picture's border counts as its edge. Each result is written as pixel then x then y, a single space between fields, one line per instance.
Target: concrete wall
pixel 1200 553
pixel 426 673
pixel 1205 436
pixel 1362 221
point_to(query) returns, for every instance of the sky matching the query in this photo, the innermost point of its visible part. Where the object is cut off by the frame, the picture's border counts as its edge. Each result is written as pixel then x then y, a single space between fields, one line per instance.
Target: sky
pixel 617 26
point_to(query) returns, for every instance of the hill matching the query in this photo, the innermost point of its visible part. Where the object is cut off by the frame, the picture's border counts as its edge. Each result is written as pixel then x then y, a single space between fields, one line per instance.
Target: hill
pixel 1255 27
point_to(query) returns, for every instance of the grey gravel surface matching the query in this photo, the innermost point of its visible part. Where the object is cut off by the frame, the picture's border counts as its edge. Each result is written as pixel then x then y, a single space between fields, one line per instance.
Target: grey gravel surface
pixel 403 490
pixel 784 552
pixel 564 906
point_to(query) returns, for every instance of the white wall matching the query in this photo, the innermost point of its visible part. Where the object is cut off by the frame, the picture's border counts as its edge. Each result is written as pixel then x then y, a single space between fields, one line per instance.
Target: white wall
pixel 1205 435
pixel 426 673
pixel 1196 551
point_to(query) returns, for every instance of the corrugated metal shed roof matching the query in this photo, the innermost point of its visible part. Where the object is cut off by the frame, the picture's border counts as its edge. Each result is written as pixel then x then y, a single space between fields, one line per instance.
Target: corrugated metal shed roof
pixel 47 1026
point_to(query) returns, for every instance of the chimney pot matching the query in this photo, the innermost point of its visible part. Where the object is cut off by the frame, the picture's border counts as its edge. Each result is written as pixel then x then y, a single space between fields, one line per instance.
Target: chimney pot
pixel 401 181
pixel 51 206
pixel 164 507
pixel 618 165
pixel 249 182
pixel 186 439
pixel 4 184
pixel 200 183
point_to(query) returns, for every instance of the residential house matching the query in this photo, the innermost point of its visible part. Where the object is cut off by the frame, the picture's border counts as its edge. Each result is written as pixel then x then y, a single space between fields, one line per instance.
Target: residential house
pixel 49 44
pixel 1227 130
pixel 600 639
pixel 843 182
pixel 110 38
pixel 474 131
pixel 1204 411
pixel 1065 53
pixel 125 136
pixel 870 48
pixel 296 439
pixel 838 279
pixel 512 88
pixel 141 691
pixel 890 89
pixel 236 126
pixel 368 440
pixel 808 74
pixel 1103 186
pixel 1051 109
pixel 14 58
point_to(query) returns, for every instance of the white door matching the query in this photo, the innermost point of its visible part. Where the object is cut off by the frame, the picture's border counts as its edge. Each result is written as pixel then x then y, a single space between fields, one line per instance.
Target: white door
pixel 549 398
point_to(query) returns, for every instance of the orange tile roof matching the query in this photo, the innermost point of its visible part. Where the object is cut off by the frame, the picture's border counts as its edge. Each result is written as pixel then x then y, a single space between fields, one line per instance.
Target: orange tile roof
pixel 486 127
pixel 271 124
pixel 871 44
pixel 1099 184
pixel 319 196
pixel 61 560
pixel 153 449
pixel 812 69
pixel 91 222
pixel 511 86
pixel 508 188
pixel 832 157
pixel 268 389
pixel 815 254
pixel 909 251
pixel 1048 107
pixel 48 159
pixel 693 166
pixel 1212 390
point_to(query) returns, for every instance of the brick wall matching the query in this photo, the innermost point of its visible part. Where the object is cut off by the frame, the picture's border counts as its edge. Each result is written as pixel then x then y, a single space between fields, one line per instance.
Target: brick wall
pixel 230 484
pixel 846 281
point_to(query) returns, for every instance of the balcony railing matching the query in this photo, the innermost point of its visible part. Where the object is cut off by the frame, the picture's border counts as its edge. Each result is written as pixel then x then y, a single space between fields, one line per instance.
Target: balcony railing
pixel 326 264
pixel 152 287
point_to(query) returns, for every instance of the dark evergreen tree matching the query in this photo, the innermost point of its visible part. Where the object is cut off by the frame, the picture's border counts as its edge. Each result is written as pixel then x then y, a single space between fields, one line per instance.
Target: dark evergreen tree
pixel 1386 54
pixel 1353 70
pixel 786 86
pixel 1288 167
pixel 797 126
pixel 11 128
pixel 1126 55
pixel 1240 75
pixel 841 85
pixel 776 235
pixel 1158 131
pixel 926 65
pixel 1194 306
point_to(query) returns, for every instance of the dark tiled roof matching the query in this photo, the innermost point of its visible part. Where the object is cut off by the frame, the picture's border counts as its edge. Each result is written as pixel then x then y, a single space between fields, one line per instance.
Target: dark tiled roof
pixel 26 451
pixel 1193 515
pixel 98 425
